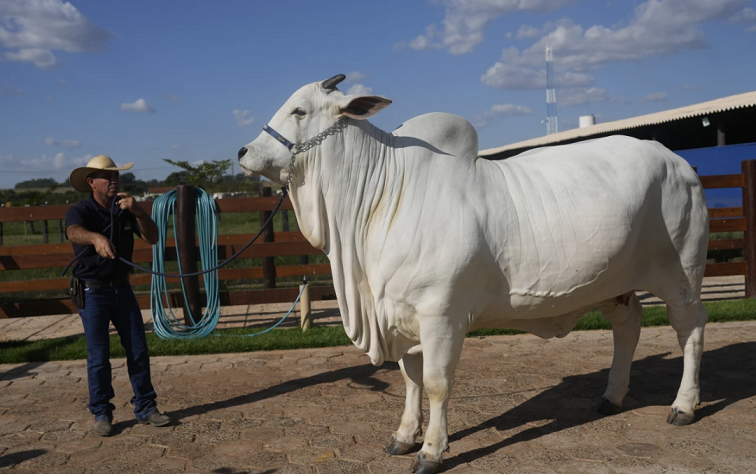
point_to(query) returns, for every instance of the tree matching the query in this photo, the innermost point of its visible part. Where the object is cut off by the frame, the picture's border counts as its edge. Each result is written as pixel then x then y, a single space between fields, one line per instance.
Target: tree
pixel 204 175
pixel 127 178
pixel 174 179
pixel 36 183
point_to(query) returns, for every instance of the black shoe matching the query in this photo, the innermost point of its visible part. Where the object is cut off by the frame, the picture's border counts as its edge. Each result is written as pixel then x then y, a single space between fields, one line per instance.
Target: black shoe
pixel 156 419
pixel 103 427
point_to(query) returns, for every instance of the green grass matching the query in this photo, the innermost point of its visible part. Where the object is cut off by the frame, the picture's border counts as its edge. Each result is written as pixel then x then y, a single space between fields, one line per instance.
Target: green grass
pixel 231 340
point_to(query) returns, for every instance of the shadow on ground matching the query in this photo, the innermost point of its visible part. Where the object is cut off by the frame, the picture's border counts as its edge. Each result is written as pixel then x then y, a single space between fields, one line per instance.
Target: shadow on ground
pixel 12 459
pixel 728 374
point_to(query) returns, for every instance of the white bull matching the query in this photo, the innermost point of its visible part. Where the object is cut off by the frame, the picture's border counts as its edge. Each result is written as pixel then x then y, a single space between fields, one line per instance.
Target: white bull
pixel 427 241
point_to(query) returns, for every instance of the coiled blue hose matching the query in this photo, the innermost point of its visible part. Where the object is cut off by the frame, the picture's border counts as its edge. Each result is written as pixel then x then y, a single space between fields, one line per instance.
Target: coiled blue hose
pixel 167 325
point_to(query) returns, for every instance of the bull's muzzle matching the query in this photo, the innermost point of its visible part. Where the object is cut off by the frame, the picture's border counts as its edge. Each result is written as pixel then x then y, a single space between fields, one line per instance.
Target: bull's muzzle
pixel 242 152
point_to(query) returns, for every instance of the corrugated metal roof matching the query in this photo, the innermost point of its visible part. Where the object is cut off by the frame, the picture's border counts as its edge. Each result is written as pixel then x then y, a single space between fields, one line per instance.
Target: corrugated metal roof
pixel 713 106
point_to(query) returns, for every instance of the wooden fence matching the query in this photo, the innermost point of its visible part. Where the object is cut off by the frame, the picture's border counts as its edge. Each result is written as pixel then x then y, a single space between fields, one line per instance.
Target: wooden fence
pixel 731 219
pixel 270 245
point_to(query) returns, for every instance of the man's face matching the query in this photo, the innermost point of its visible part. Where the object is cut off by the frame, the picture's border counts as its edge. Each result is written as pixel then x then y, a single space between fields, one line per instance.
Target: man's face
pixel 104 183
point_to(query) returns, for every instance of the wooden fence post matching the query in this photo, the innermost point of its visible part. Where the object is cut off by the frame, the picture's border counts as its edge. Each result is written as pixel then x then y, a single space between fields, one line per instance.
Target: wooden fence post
pixel 1 234
pixel 285 220
pixel 749 211
pixel 60 231
pixel 45 233
pixel 187 254
pixel 305 309
pixel 268 263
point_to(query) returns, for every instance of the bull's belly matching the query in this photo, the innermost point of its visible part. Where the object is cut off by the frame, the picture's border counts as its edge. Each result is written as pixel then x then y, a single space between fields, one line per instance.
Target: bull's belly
pixel 546 316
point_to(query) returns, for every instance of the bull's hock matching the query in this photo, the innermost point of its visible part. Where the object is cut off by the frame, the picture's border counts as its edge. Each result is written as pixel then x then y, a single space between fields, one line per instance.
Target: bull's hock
pixel 519 404
pixel 427 241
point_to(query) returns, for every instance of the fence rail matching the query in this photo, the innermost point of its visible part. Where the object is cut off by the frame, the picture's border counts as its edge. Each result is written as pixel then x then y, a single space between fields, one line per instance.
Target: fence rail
pixel 293 243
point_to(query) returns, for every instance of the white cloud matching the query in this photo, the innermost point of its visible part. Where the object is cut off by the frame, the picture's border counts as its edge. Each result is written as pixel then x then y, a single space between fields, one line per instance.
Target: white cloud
pixel 655 97
pixel 690 87
pixel 592 95
pixel 659 27
pixel 516 72
pixel 498 111
pixel 140 106
pixel 746 15
pixel 58 162
pixel 359 89
pixel 176 147
pixel 41 58
pixel 5 89
pixel 171 97
pixel 465 20
pixel 30 30
pixel 243 117
pixel 63 143
pixel 527 31
pixel 355 77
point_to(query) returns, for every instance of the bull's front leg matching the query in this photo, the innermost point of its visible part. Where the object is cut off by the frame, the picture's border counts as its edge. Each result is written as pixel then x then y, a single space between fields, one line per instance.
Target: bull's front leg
pixel 403 440
pixel 442 346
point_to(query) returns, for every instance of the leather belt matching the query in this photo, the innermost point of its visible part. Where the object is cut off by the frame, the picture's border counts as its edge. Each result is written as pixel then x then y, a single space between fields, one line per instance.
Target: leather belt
pixel 102 284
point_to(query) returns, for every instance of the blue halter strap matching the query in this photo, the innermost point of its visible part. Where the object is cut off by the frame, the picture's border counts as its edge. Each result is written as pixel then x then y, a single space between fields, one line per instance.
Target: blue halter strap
pixel 278 137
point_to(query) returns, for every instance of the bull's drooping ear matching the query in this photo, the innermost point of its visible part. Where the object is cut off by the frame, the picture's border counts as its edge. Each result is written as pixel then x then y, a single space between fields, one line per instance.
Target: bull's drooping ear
pixel 330 84
pixel 362 107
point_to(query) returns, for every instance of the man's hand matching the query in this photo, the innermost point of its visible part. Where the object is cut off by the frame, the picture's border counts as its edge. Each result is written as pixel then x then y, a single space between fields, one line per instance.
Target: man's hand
pixel 103 246
pixel 128 203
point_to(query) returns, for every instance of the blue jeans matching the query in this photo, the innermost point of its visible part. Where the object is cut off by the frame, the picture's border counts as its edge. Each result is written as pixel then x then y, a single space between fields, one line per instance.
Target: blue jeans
pixel 119 305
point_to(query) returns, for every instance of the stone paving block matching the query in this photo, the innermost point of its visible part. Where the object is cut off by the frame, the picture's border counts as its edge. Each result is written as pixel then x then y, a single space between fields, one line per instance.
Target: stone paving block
pixel 311 455
pixel 45 461
pixel 163 466
pixel 115 467
pixel 87 443
pixel 20 438
pixel 65 470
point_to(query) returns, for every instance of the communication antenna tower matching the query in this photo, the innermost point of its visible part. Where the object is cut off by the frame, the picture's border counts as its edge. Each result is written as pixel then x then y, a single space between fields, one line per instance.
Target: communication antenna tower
pixel 552 123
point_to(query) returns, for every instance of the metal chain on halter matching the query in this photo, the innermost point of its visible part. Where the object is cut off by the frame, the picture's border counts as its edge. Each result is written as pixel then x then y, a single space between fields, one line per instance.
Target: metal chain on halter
pixel 313 142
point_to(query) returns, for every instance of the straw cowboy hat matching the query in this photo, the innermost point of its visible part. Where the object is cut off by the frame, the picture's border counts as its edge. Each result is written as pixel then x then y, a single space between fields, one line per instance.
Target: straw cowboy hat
pixel 78 178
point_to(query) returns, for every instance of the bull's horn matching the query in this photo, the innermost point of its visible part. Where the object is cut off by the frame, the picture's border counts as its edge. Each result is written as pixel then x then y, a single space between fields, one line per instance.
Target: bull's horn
pixel 333 82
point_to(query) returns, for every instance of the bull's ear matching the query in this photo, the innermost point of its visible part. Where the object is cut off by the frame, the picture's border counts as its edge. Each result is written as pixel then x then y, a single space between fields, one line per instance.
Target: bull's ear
pixel 362 107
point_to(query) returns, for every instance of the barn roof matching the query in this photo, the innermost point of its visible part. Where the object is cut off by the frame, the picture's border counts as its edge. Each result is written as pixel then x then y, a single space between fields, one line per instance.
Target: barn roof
pixel 704 108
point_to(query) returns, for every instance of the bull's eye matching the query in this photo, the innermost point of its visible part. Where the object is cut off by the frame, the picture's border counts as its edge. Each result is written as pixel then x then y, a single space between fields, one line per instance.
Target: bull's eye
pixel 299 113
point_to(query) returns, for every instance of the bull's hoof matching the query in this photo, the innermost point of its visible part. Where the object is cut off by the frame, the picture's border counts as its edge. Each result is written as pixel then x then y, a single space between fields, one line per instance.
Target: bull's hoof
pixel 608 408
pixel 398 447
pixel 680 418
pixel 421 465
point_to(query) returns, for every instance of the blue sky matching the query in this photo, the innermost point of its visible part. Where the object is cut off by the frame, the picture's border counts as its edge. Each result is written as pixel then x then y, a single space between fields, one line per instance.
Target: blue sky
pixel 145 80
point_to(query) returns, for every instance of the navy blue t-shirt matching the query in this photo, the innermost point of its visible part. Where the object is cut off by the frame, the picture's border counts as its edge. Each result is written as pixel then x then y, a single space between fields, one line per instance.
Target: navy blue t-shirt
pixel 90 215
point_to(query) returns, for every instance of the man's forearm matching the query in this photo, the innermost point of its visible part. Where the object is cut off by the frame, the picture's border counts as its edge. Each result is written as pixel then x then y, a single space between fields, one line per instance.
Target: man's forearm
pixel 80 235
pixel 149 228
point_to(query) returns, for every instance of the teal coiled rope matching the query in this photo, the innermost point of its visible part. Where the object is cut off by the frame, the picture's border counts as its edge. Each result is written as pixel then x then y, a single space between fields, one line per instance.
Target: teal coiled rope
pixel 167 325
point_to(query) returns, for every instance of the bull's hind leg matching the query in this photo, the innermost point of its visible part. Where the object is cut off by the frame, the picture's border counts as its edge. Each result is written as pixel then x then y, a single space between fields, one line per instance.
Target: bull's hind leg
pixel 688 320
pixel 626 325
pixel 403 440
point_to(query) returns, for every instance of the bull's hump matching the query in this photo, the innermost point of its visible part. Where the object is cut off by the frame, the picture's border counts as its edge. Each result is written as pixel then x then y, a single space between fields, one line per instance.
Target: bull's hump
pixel 447 134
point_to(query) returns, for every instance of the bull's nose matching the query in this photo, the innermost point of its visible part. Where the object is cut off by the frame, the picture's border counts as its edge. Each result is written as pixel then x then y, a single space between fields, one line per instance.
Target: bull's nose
pixel 242 152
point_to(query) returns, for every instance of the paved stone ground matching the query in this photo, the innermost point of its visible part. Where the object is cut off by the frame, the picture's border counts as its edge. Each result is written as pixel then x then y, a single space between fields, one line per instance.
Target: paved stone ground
pixel 324 313
pixel 520 405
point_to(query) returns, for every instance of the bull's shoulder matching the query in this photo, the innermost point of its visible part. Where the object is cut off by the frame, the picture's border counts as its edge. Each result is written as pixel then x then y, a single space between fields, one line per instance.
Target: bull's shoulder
pixel 448 134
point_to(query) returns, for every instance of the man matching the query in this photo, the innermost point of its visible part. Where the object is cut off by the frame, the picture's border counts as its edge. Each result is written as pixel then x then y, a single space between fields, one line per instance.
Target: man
pixel 104 283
